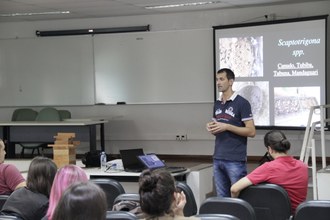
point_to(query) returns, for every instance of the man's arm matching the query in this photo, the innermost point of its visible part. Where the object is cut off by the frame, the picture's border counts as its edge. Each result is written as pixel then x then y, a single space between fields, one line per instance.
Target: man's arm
pixel 237 187
pixel 248 131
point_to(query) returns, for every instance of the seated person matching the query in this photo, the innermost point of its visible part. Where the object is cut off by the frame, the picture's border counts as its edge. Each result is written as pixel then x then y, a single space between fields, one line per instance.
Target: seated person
pixel 10 177
pixel 159 198
pixel 284 170
pixel 82 201
pixel 31 202
pixel 64 177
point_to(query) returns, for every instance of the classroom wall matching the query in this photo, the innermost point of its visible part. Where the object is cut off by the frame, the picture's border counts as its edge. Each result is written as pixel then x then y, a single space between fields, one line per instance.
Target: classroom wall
pixel 155 126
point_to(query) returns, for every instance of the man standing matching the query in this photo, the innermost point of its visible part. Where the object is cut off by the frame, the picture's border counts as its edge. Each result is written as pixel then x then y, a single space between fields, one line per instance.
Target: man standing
pixel 232 124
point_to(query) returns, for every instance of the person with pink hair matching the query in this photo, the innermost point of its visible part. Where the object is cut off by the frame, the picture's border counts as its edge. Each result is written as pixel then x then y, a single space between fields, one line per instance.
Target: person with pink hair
pixel 65 176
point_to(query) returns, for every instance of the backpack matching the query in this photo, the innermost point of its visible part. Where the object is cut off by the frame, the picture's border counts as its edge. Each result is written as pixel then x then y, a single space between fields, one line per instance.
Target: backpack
pixel 92 158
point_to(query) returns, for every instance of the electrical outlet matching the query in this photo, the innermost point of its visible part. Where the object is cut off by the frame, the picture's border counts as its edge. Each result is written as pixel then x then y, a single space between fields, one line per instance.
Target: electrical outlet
pixel 181 137
pixel 184 137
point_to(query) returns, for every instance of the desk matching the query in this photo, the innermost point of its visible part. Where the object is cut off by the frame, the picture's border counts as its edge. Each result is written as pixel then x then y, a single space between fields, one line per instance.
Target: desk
pixel 43 132
pixel 128 180
pixel 123 176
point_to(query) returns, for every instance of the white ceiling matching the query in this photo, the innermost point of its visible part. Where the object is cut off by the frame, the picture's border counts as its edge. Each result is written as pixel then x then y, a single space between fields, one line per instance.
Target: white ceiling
pixel 111 8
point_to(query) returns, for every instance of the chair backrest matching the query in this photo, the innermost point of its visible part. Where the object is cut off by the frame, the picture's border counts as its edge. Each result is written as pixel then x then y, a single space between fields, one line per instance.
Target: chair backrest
pixel 313 209
pixel 191 207
pixel 112 189
pixel 129 202
pixel 9 217
pixel 269 201
pixel 24 114
pixel 226 205
pixel 127 197
pixel 216 217
pixel 48 114
pixel 120 215
pixel 3 199
pixel 64 114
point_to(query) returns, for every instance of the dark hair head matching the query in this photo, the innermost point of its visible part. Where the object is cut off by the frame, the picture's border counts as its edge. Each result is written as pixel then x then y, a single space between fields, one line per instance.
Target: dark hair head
pixel 156 189
pixel 229 73
pixel 277 141
pixel 41 174
pixel 82 201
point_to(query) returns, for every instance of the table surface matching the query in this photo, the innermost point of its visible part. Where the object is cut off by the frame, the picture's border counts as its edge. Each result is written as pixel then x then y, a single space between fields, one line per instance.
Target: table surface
pixel 23 166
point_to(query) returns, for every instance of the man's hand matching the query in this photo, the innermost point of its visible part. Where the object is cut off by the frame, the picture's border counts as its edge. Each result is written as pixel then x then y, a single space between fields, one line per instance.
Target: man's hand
pixel 216 127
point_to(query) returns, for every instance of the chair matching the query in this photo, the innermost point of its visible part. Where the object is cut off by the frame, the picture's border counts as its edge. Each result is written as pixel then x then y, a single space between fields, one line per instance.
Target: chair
pixel 64 114
pixel 26 114
pixel 3 199
pixel 226 205
pixel 191 206
pixel 313 209
pixel 269 201
pixel 48 114
pixel 9 217
pixel 216 217
pixel 127 197
pixel 112 189
pixel 120 215
pixel 128 202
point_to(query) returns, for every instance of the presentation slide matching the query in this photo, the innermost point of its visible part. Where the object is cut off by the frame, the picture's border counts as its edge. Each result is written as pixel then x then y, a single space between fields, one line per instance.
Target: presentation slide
pixel 280 67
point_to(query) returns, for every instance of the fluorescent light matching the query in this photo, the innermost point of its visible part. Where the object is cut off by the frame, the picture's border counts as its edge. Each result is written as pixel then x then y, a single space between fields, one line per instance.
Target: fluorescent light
pixel 182 5
pixel 35 13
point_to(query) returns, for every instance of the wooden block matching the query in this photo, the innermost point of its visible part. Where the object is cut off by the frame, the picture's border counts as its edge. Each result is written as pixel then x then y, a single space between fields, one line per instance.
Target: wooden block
pixel 61 145
pixel 75 143
pixel 63 142
pixel 70 135
pixel 64 156
pixel 64 149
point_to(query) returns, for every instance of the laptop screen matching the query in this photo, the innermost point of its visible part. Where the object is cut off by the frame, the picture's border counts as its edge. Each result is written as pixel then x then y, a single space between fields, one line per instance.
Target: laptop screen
pixel 151 161
pixel 130 160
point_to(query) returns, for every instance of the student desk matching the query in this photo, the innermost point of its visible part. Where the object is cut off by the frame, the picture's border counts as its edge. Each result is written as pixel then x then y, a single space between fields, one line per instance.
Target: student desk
pixel 43 132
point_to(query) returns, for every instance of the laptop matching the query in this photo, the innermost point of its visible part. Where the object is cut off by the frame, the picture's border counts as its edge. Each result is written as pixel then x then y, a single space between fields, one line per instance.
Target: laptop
pixel 152 162
pixel 131 163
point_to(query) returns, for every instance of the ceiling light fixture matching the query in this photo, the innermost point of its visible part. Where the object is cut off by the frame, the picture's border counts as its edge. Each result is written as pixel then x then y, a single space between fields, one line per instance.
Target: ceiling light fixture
pixel 182 5
pixel 35 13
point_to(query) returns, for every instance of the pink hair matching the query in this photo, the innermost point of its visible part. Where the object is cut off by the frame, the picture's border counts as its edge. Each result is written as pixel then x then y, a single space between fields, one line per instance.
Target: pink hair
pixel 63 179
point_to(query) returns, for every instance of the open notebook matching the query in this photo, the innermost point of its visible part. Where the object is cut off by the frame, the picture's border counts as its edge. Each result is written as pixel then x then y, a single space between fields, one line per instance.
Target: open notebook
pixel 152 162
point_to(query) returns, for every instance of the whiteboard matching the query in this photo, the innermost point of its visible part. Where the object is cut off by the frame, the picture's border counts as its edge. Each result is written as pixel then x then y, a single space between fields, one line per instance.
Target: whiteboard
pixel 154 67
pixel 47 71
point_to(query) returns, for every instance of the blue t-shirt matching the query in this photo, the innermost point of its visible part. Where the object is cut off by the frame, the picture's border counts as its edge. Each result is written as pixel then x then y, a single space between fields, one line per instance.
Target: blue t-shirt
pixel 230 146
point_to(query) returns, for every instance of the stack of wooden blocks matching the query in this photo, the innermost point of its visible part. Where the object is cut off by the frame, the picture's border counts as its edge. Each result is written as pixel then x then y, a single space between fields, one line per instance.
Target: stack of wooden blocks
pixel 64 149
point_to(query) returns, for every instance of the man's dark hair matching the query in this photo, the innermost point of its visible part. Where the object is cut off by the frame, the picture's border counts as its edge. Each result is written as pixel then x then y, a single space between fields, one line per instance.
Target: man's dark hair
pixel 229 73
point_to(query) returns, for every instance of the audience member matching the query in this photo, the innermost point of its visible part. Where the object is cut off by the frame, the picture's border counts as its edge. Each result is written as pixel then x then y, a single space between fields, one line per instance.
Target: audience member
pixel 159 198
pixel 64 177
pixel 31 202
pixel 10 177
pixel 82 201
pixel 284 170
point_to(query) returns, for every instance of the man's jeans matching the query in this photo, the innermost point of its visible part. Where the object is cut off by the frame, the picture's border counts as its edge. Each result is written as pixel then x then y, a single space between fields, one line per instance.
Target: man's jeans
pixel 226 173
